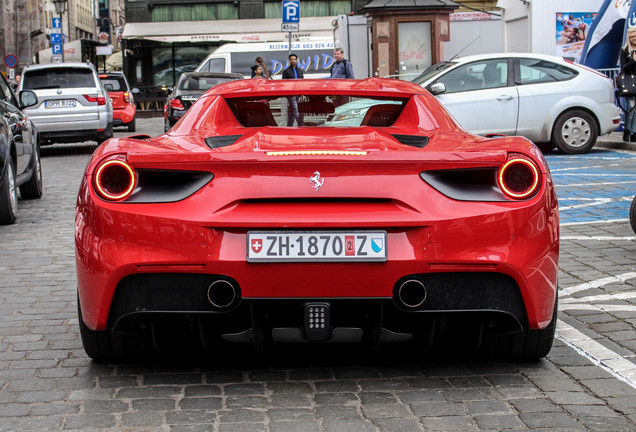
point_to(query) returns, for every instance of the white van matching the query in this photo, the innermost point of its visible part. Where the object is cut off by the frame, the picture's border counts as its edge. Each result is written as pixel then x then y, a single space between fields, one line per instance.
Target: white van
pixel 315 57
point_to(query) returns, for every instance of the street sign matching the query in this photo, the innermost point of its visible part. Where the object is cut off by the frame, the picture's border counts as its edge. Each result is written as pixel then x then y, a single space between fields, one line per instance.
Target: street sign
pixel 56 22
pixel 289 27
pixel 291 11
pixel 56 38
pixel 11 61
pixel 56 48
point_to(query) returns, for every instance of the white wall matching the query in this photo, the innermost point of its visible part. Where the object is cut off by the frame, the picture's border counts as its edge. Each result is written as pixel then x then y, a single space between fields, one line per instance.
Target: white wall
pixel 463 38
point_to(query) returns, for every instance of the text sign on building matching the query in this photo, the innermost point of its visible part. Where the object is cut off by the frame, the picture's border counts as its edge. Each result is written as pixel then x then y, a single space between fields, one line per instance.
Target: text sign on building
pixel 291 11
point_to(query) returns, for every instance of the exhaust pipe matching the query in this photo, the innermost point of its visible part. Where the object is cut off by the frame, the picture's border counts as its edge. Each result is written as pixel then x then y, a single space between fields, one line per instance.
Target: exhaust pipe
pixel 221 294
pixel 412 293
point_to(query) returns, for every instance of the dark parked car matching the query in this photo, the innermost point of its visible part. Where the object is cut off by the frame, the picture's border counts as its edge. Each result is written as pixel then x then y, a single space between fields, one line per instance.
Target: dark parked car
pixel 19 152
pixel 121 96
pixel 190 87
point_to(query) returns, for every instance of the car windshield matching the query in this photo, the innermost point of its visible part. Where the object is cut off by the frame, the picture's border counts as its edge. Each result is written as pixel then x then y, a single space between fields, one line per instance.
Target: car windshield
pixel 432 71
pixel 58 78
pixel 317 110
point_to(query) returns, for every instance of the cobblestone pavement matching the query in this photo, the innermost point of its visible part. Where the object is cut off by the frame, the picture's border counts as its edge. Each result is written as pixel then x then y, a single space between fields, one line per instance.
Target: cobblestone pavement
pixel 48 383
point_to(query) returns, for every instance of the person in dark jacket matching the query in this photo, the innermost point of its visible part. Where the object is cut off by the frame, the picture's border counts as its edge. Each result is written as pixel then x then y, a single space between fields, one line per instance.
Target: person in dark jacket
pixel 628 67
pixel 342 68
pixel 293 72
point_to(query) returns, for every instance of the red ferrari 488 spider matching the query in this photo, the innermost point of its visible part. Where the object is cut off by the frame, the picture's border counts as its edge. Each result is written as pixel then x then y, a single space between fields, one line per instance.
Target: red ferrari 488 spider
pixel 373 219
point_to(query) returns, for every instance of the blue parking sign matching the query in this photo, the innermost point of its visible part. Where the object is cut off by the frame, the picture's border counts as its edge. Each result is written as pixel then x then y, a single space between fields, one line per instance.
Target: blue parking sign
pixel 291 11
pixel 56 48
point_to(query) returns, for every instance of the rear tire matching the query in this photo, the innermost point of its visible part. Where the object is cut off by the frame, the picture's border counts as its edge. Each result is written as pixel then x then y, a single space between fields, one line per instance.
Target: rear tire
pixel 33 188
pixel 574 132
pixel 107 134
pixel 132 126
pixel 528 345
pixel 106 346
pixel 632 214
pixel 8 196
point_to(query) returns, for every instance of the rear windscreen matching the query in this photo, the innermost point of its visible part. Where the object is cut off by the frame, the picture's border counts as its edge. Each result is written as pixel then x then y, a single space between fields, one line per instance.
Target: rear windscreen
pixel 116 84
pixel 57 78
pixel 317 110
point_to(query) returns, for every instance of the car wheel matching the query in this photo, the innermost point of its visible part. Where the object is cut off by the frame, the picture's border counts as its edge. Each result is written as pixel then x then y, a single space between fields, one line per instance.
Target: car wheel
pixel 8 197
pixel 108 133
pixel 106 346
pixel 574 132
pixel 132 126
pixel 528 345
pixel 632 214
pixel 33 188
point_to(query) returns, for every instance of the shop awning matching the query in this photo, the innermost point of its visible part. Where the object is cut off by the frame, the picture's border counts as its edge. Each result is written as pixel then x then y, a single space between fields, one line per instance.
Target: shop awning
pixel 259 30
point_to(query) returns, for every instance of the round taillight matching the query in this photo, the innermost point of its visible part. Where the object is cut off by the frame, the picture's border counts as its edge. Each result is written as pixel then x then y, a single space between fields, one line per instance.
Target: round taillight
pixel 518 178
pixel 115 180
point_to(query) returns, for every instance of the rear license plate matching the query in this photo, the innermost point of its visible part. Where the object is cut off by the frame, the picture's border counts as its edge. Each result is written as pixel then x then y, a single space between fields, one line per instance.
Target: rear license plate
pixel 59 103
pixel 320 246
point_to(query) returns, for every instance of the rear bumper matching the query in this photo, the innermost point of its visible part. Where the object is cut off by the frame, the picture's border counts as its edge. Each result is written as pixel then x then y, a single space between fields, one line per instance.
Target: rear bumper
pixel 610 119
pixel 123 116
pixel 108 256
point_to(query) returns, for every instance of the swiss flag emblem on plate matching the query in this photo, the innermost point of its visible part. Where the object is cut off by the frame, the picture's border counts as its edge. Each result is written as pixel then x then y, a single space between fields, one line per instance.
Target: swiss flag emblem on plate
pixel 257 245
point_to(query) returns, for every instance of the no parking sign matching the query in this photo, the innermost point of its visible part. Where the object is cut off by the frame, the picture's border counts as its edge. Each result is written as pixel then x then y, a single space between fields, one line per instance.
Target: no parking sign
pixel 11 61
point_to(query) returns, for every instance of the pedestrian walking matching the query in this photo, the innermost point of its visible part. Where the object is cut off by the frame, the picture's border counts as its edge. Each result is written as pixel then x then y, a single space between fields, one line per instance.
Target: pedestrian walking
pixel 293 72
pixel 257 71
pixel 628 67
pixel 259 61
pixel 342 68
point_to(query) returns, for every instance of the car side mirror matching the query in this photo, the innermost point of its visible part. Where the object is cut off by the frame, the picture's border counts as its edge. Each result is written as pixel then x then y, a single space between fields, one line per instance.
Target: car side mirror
pixel 437 88
pixel 28 98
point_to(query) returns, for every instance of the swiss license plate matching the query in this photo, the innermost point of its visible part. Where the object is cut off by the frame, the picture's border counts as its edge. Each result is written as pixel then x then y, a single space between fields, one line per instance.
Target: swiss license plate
pixel 59 103
pixel 322 246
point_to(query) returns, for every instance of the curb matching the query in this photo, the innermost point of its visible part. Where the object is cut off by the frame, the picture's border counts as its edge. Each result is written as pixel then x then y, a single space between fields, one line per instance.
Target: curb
pixel 614 140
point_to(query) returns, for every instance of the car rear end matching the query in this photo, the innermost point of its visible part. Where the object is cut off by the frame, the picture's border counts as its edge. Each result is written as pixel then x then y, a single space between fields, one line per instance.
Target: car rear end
pixel 369 234
pixel 121 97
pixel 72 104
pixel 600 89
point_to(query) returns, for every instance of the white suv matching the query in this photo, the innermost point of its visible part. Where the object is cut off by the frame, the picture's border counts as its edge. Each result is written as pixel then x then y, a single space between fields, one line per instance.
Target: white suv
pixel 73 105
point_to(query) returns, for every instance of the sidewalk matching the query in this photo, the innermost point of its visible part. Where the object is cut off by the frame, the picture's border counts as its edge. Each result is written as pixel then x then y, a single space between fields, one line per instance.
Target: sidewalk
pixel 615 141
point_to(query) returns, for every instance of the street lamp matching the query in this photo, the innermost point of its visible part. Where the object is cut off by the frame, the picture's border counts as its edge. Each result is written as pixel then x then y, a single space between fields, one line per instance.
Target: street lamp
pixel 60 8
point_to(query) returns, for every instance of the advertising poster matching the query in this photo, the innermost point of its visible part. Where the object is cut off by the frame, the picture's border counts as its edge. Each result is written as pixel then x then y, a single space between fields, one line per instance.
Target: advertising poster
pixel 571 32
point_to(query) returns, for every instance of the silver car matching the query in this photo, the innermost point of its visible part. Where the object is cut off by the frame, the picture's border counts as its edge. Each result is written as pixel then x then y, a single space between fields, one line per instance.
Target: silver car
pixel 73 105
pixel 547 99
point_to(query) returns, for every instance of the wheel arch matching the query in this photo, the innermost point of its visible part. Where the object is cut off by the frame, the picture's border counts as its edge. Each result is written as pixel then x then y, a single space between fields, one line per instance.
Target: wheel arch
pixel 559 109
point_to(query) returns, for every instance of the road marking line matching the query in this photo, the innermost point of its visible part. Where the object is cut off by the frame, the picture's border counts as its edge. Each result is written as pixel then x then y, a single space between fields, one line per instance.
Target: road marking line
pixel 599 298
pixel 601 356
pixel 578 185
pixel 602 308
pixel 597 283
pixel 604 238
pixel 608 221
